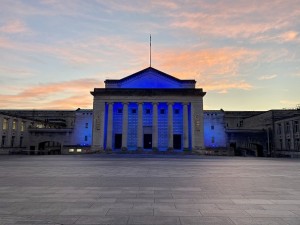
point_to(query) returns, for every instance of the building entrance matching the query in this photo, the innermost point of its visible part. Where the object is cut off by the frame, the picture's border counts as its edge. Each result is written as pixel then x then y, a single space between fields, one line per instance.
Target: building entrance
pixel 177 141
pixel 118 141
pixel 147 141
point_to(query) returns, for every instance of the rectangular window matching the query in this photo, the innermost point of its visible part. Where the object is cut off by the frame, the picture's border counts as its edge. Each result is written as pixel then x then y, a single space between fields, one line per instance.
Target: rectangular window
pixel 85 138
pixel 22 126
pixel 119 111
pixel 3 141
pixel 162 111
pixel 176 111
pixel 78 149
pixel 287 127
pixel 86 125
pixel 71 150
pixel 21 141
pixel 212 127
pixel 5 124
pixel 288 144
pixel 280 143
pixel 133 111
pixel 14 126
pixel 297 144
pixel 279 128
pixel 12 141
pixel 296 126
pixel 148 111
pixel 212 139
pixel 241 123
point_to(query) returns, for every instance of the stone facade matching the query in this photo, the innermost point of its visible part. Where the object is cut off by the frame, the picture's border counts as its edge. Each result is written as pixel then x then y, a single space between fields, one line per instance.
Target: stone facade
pixel 148 110
pixel 287 136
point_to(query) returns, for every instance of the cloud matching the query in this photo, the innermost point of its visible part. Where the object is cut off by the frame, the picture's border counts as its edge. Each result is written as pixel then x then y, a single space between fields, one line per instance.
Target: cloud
pixel 289 36
pixel 89 51
pixel 13 27
pixel 222 86
pixel 60 95
pixel 267 77
pixel 238 19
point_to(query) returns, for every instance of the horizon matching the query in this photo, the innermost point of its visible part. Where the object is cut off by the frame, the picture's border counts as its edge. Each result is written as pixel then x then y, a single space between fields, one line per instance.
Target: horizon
pixel 244 55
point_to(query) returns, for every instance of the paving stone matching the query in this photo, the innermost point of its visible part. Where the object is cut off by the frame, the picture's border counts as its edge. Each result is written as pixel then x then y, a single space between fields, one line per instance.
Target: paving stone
pixel 271 213
pixel 258 221
pixel 225 212
pixel 130 211
pixel 136 189
pixel 103 220
pixel 155 220
pixel 193 220
pixel 176 212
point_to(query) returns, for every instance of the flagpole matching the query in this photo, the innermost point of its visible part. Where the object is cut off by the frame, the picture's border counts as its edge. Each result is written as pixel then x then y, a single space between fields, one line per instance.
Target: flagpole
pixel 150 50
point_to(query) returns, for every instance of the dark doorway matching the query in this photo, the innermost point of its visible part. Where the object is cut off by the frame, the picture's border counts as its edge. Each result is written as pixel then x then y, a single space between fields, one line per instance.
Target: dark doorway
pixel 260 151
pixel 118 141
pixel 32 150
pixel 177 141
pixel 147 141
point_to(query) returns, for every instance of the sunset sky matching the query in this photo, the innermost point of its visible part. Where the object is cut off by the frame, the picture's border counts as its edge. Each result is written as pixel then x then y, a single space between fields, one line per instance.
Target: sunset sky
pixel 244 54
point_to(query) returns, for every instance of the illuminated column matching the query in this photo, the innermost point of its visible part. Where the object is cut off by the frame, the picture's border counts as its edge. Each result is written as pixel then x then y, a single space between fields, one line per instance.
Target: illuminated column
pixel 154 126
pixel 109 125
pixel 125 125
pixel 140 125
pixel 185 126
pixel 170 125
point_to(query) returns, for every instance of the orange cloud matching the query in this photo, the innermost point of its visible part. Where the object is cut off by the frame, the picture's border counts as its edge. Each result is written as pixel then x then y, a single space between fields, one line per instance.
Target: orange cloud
pixel 211 68
pixel 289 36
pixel 75 93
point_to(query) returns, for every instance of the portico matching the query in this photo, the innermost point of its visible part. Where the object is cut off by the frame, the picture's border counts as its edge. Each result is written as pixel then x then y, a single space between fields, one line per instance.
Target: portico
pixel 148 110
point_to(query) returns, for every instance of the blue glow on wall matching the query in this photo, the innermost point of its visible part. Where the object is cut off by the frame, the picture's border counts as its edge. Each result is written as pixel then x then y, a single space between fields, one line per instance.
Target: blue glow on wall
pixel 117 120
pixel 214 130
pixel 132 126
pixel 178 120
pixel 151 80
pixel 105 126
pixel 190 126
pixel 162 126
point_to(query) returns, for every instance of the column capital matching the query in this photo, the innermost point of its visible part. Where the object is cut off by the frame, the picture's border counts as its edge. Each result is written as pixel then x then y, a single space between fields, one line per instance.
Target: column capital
pixel 155 103
pixel 185 103
pixel 125 103
pixel 110 103
pixel 140 103
pixel 170 103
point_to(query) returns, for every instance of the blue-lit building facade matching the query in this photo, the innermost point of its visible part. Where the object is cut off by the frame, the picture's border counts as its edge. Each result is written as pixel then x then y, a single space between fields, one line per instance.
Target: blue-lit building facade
pixel 148 110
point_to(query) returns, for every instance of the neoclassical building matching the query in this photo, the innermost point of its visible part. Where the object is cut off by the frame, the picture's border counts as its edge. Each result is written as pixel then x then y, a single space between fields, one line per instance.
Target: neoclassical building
pixel 148 110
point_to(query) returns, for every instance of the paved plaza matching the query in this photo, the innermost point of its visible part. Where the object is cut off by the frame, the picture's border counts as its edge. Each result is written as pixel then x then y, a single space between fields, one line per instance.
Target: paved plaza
pixel 130 189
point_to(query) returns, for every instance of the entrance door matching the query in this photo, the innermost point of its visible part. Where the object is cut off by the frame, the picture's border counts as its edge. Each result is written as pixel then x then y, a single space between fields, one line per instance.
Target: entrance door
pixel 118 141
pixel 177 141
pixel 147 141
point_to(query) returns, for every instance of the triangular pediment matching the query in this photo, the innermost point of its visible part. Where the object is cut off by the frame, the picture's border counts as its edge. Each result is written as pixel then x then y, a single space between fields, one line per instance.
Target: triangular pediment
pixel 150 78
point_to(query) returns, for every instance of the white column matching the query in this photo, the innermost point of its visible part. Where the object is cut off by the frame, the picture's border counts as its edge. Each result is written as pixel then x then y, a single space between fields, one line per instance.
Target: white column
pixel 109 126
pixel 125 125
pixel 170 125
pixel 140 125
pixel 185 126
pixel 154 126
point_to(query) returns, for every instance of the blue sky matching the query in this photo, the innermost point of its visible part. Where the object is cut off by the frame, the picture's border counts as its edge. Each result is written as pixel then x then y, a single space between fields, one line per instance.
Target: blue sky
pixel 244 54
